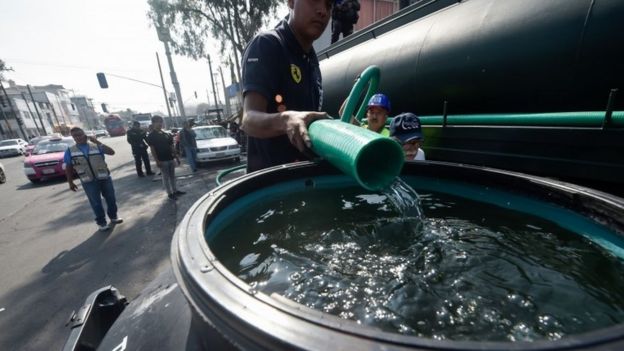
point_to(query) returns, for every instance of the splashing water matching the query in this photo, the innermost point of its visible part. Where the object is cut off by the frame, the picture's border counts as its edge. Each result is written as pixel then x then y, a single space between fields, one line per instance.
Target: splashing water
pixel 435 265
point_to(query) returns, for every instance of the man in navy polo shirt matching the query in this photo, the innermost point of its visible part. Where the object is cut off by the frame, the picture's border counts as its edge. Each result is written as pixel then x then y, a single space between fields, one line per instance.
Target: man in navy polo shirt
pixel 282 86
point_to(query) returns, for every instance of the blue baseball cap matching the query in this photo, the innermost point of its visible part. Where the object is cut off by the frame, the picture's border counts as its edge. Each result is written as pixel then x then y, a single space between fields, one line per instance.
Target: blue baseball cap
pixel 379 100
pixel 406 127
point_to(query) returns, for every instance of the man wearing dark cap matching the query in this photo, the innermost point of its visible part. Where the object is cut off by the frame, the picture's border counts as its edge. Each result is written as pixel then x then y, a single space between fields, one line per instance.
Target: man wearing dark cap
pixel 406 129
pixel 282 86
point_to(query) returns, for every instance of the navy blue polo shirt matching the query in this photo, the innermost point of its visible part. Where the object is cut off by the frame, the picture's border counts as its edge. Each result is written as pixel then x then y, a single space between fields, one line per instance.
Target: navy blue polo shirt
pixel 275 66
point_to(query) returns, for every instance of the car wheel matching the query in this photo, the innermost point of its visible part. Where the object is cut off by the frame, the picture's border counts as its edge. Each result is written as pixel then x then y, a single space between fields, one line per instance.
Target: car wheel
pixel 34 181
pixel 2 176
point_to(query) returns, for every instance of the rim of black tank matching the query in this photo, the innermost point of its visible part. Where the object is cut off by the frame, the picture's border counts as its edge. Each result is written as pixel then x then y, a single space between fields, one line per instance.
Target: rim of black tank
pixel 254 320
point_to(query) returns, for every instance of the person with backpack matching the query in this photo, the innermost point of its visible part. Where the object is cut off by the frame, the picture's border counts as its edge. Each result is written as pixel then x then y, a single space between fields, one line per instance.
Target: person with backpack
pixel 344 16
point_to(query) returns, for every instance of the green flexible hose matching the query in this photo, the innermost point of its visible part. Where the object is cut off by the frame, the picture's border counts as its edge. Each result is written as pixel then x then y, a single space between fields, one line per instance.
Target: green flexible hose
pixel 370 76
pixel 564 119
pixel 373 160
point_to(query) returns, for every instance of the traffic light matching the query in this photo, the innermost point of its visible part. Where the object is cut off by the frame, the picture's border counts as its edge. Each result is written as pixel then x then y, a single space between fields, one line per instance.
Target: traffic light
pixel 104 108
pixel 102 80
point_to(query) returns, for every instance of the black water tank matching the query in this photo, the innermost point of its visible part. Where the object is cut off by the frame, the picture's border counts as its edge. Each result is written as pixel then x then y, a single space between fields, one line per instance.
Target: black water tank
pixel 486 56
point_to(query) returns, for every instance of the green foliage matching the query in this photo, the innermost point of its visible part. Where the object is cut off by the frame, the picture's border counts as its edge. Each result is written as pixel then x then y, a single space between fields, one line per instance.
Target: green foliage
pixel 3 68
pixel 192 22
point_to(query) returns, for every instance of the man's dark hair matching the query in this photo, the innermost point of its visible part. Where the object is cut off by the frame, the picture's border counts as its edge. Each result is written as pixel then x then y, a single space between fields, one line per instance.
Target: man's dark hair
pixel 76 129
pixel 136 123
pixel 157 118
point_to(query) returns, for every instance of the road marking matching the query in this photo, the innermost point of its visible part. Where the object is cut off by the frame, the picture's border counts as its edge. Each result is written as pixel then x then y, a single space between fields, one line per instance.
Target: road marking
pixel 2 309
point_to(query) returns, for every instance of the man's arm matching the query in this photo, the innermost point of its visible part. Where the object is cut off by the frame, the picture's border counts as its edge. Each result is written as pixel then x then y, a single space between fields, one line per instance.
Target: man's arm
pixel 105 149
pixel 260 124
pixel 155 155
pixel 69 175
pixel 69 171
pixel 173 150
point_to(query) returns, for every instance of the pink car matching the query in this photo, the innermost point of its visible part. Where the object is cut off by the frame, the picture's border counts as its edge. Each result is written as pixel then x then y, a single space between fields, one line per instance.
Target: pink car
pixel 46 159
pixel 33 142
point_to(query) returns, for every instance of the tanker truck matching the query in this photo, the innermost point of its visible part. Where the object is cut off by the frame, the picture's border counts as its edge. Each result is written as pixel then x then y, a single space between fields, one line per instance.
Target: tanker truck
pixel 529 86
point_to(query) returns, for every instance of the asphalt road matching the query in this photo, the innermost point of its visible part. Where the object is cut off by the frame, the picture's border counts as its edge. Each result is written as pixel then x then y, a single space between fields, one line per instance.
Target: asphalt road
pixel 52 256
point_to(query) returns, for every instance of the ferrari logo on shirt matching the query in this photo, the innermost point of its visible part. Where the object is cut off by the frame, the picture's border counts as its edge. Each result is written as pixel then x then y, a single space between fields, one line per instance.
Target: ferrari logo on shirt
pixel 295 72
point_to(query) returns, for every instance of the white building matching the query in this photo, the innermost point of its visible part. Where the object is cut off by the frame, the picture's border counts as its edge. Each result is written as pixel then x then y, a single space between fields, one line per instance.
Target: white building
pixel 52 99
pixel 86 111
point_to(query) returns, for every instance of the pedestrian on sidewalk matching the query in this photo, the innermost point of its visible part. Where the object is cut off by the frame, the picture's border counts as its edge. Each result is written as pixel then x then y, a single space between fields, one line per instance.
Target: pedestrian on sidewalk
pixel 86 158
pixel 344 17
pixel 163 152
pixel 137 139
pixel 188 142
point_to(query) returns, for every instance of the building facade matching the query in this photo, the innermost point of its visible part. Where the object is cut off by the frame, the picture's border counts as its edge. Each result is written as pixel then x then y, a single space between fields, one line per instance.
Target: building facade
pixel 86 111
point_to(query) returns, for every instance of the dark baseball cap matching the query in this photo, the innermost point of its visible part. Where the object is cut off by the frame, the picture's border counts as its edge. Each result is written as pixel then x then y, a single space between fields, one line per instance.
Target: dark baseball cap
pixel 406 127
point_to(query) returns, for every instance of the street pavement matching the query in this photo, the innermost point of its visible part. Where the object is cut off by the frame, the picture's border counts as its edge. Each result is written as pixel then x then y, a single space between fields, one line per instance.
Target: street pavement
pixel 52 256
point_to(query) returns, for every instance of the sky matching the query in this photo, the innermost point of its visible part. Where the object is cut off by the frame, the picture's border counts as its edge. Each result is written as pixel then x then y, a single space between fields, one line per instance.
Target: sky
pixel 67 42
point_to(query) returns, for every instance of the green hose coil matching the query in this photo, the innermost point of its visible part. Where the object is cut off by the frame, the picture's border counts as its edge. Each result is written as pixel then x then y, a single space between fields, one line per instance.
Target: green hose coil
pixel 369 77
pixel 373 160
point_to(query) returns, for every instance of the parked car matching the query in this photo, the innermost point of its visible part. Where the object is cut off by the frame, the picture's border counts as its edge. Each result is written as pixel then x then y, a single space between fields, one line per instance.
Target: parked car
pixel 101 133
pixel 214 143
pixel 12 147
pixel 46 159
pixel 33 142
pixel 2 174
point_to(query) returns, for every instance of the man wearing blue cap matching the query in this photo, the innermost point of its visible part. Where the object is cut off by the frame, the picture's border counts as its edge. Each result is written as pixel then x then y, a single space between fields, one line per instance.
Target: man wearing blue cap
pixel 377 114
pixel 406 129
pixel 377 111
pixel 282 86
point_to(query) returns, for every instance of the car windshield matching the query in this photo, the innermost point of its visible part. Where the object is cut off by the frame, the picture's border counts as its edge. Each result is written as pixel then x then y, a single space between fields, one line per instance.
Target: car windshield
pixel 210 133
pixel 35 140
pixel 8 142
pixel 47 147
pixel 114 123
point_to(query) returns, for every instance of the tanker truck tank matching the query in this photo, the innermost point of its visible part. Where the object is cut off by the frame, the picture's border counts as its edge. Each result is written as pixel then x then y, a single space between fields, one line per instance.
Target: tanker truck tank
pixel 487 56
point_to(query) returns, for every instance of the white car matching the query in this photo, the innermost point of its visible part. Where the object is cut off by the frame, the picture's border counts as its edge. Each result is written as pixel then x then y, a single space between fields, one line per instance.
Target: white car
pixel 214 143
pixel 12 147
pixel 101 133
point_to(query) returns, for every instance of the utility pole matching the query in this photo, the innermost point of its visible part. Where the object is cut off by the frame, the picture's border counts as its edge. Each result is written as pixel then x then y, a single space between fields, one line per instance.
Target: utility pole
pixel 225 94
pixel 6 121
pixel 165 37
pixel 58 102
pixel 30 111
pixel 55 116
pixel 214 91
pixel 19 124
pixel 36 109
pixel 162 81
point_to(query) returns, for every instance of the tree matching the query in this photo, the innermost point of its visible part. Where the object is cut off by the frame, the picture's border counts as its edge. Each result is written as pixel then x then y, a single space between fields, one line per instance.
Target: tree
pixel 192 22
pixel 3 68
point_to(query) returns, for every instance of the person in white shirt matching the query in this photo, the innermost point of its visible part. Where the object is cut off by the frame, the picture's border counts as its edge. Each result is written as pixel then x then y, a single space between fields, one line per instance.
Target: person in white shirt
pixel 406 130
